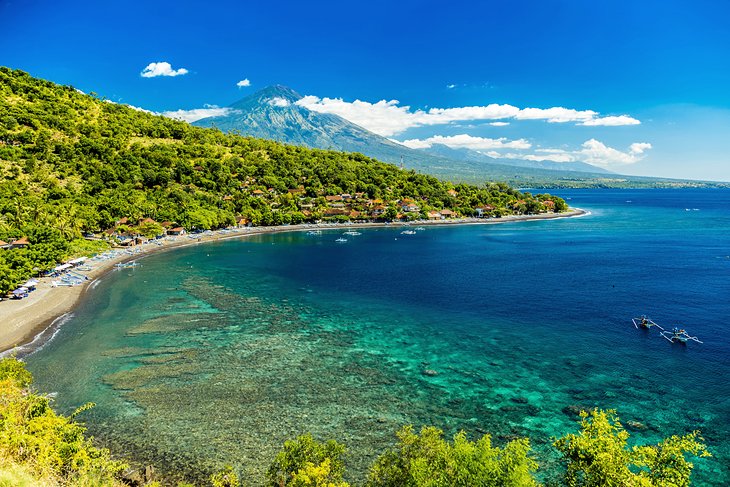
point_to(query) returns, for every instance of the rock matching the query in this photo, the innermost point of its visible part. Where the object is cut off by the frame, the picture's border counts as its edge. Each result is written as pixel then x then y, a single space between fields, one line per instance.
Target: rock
pixel 636 426
pixel 430 372
pixel 572 410
pixel 520 400
pixel 132 477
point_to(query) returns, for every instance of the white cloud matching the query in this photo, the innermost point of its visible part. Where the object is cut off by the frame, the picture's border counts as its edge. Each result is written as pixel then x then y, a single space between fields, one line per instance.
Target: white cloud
pixel 639 147
pixel 552 155
pixel 499 124
pixel 243 83
pixel 452 86
pixel 599 154
pixel 612 121
pixel 592 151
pixel 278 101
pixel 161 69
pixel 555 114
pixel 198 113
pixel 465 141
pixel 389 118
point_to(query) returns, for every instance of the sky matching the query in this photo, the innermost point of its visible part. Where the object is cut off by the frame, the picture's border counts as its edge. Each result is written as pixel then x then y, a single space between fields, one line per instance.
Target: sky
pixel 635 87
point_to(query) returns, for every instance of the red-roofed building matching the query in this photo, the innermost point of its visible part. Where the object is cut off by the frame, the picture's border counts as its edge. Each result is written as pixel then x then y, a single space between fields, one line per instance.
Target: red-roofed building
pixel 176 231
pixel 21 243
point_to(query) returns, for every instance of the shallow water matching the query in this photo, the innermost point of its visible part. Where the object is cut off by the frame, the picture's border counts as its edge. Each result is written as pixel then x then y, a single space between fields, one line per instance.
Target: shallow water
pixel 218 353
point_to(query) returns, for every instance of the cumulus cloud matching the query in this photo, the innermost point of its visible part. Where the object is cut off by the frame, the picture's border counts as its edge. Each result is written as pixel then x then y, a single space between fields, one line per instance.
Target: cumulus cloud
pixel 639 147
pixel 278 101
pixel 198 113
pixel 161 69
pixel 612 121
pixel 499 124
pixel 555 114
pixel 243 83
pixel 599 154
pixel 591 151
pixel 451 86
pixel 389 118
pixel 465 141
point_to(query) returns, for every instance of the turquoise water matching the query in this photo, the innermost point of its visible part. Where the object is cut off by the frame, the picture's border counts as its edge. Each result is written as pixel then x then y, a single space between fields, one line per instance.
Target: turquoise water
pixel 218 353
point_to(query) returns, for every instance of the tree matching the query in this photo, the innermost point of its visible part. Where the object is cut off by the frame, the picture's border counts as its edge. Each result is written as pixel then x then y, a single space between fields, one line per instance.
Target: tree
pixel 599 456
pixel 391 213
pixel 306 458
pixel 427 460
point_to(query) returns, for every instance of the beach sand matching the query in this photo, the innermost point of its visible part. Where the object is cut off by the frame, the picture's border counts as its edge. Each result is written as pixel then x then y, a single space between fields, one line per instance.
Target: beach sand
pixel 22 320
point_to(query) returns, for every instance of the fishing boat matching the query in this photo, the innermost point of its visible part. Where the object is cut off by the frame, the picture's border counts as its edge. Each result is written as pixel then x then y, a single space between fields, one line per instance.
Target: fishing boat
pixel 352 232
pixel 314 232
pixel 678 335
pixel 408 232
pixel 645 323
pixel 341 240
pixel 420 229
pixel 126 265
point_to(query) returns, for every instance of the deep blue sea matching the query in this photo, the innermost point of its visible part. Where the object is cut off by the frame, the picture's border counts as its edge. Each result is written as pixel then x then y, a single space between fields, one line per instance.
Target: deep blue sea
pixel 218 353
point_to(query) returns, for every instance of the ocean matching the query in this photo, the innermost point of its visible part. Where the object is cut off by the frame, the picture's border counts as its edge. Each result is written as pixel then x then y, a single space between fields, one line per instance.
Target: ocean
pixel 216 354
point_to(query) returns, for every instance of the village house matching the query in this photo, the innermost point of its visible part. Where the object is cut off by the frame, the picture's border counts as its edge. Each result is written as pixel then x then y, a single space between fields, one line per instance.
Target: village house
pixel 433 215
pixel 333 198
pixel 21 243
pixel 257 193
pixel 378 211
pixel 482 211
pixel 176 231
pixel 409 206
pixel 447 214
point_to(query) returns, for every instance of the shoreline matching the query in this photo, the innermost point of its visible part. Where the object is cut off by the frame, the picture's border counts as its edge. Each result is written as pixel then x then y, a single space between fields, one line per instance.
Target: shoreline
pixel 37 318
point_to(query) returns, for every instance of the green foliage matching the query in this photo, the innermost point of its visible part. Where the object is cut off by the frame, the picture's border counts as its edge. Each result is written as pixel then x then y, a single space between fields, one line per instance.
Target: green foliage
pixel 32 434
pixel 428 460
pixel 14 370
pixel 312 475
pixel 599 456
pixel 306 461
pixel 225 478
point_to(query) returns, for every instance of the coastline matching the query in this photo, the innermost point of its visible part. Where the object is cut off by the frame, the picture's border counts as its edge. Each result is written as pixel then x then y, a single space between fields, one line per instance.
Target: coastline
pixel 27 321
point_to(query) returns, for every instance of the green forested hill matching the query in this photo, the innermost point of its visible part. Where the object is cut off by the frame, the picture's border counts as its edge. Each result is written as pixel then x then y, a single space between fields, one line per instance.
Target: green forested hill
pixel 72 163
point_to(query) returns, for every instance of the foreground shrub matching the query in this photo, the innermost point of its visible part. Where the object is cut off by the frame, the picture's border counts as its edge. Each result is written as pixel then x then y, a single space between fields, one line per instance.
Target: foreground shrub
pixel 599 456
pixel 307 462
pixel 427 460
pixel 46 444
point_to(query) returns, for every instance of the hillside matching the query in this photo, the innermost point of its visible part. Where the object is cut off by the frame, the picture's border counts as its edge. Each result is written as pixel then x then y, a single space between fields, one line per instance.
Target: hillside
pixel 72 164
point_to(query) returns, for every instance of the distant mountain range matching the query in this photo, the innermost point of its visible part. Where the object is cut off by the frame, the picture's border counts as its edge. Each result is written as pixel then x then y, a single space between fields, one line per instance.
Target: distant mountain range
pixel 273 113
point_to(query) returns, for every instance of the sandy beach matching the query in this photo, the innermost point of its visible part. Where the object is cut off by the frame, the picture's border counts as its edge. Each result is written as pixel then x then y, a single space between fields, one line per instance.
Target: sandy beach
pixel 23 320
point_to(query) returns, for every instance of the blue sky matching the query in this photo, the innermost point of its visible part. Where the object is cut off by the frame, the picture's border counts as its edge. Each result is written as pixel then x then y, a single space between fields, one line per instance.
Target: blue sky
pixel 638 87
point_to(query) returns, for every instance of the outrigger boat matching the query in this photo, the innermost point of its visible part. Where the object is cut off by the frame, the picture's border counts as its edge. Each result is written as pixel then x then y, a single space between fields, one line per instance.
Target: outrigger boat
pixel 678 335
pixel 645 323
